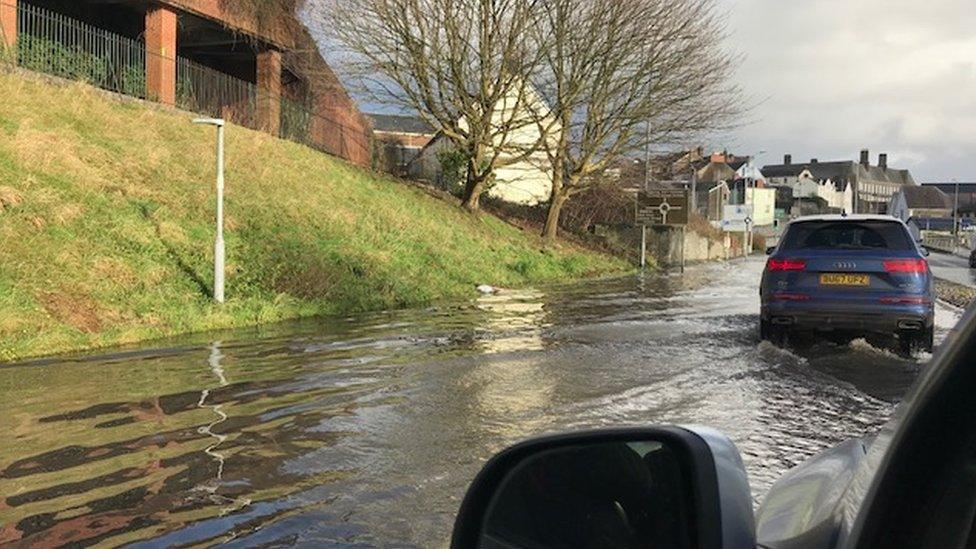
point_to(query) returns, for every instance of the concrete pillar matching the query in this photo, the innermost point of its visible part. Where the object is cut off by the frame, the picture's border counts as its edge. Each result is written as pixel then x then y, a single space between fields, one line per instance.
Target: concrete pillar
pixel 8 23
pixel 269 91
pixel 161 54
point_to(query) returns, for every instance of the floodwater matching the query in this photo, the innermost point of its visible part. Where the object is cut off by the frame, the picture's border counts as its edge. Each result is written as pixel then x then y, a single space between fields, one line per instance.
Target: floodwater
pixel 367 430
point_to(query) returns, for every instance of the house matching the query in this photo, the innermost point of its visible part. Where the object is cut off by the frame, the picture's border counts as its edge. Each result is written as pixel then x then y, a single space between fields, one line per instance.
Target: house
pixel 921 206
pixel 872 186
pixel 966 196
pixel 835 200
pixel 399 140
pixel 763 202
pixel 520 179
pixel 703 172
pixel 761 199
pixel 234 60
pixel 718 198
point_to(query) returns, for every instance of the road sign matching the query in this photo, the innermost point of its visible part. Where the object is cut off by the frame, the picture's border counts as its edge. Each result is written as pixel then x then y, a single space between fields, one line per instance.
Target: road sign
pixel 662 207
pixel 737 218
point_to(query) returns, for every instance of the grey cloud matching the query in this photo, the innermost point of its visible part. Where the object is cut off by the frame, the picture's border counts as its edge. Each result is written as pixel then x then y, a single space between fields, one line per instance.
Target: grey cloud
pixel 832 76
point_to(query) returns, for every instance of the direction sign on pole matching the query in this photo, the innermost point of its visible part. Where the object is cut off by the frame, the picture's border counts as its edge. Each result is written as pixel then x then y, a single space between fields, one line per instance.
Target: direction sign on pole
pixel 662 207
pixel 737 218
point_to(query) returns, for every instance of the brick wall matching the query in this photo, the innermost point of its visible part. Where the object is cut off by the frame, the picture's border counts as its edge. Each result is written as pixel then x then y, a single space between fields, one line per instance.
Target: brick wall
pixel 279 31
pixel 337 126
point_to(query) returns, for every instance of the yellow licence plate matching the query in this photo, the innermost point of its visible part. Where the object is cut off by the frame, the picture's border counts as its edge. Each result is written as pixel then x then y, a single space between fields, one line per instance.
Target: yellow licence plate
pixel 845 280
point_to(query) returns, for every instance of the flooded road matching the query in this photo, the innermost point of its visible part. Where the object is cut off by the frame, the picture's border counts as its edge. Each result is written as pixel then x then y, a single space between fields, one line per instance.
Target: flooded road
pixel 366 431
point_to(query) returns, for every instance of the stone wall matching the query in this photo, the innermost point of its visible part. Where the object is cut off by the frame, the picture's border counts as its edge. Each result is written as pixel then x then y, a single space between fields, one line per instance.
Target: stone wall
pixel 664 245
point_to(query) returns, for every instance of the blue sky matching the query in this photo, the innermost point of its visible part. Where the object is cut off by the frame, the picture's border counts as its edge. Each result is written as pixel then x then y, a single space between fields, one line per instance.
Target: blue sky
pixel 830 77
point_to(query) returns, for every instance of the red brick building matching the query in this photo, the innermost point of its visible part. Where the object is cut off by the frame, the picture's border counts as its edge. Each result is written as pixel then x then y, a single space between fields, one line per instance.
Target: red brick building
pixel 255 67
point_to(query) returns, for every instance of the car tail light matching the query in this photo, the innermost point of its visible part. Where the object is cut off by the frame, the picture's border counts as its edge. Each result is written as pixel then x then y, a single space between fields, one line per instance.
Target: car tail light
pixel 906 266
pixel 786 265
pixel 783 296
pixel 906 300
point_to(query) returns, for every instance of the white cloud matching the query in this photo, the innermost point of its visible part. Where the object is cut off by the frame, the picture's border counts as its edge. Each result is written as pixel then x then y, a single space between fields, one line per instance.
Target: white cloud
pixel 834 76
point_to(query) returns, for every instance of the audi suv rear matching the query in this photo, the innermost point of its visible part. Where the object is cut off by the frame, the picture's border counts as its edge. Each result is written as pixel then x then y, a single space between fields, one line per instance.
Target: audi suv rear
pixel 849 273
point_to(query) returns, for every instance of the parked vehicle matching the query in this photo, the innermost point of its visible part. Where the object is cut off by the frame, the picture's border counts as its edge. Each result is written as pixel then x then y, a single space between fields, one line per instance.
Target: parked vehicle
pixel 685 487
pixel 853 273
pixel 972 259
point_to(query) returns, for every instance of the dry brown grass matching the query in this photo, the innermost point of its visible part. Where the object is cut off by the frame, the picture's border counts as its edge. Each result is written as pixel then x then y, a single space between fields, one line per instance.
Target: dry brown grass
pixel 9 198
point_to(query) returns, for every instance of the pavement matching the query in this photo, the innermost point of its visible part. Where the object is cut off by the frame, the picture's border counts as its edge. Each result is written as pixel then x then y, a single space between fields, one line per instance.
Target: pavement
pixel 953 268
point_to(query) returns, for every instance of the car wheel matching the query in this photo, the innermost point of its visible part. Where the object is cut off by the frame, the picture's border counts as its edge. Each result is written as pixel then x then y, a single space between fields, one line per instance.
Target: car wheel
pixel 774 334
pixel 927 341
pixel 912 342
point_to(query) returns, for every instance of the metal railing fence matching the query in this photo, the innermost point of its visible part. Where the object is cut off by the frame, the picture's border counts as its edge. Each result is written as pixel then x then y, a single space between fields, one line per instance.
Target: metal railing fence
pixel 55 44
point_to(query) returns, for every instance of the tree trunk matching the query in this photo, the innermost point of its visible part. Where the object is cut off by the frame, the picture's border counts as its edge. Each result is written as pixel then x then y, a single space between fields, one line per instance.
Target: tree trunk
pixel 474 185
pixel 556 201
pixel 551 230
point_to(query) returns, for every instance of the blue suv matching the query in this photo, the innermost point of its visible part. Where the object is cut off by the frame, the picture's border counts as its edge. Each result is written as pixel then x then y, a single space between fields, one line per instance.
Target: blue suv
pixel 850 273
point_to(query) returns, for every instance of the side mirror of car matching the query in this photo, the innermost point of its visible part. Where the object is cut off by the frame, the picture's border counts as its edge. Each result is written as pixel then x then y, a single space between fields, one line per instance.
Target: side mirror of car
pixel 654 487
pixel 925 251
pixel 770 250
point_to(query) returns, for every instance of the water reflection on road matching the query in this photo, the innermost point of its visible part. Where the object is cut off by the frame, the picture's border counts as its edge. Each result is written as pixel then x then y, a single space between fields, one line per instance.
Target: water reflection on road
pixel 367 430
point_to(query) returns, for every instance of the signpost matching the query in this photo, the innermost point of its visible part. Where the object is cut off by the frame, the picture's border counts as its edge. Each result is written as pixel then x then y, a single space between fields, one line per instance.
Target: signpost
pixel 664 207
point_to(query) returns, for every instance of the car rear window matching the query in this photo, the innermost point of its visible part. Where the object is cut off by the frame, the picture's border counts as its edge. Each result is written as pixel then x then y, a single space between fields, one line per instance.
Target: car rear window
pixel 847 235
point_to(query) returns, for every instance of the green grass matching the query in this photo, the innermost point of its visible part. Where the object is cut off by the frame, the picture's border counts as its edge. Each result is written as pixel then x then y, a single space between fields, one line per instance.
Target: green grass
pixel 107 229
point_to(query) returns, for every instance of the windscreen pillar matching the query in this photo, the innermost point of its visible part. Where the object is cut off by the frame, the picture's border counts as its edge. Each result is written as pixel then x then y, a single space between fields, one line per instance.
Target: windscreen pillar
pixel 8 24
pixel 269 90
pixel 160 54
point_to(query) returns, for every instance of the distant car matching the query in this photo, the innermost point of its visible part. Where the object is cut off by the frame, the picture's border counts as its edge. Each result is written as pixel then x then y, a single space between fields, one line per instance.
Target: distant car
pixel 850 273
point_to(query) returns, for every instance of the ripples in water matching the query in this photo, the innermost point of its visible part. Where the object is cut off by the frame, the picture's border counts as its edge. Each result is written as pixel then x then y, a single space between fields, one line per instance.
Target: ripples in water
pixel 367 430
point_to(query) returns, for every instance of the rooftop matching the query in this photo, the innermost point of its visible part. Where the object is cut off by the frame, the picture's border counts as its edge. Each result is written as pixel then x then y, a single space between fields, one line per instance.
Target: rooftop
pixel 840 172
pixel 393 123
pixel 927 197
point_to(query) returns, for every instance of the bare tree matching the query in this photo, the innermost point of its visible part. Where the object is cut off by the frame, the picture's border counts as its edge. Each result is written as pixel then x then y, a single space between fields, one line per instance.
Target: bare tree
pixel 619 74
pixel 460 64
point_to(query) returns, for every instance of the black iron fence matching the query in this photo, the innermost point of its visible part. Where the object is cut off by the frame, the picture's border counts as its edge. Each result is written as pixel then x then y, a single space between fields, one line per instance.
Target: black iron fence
pixel 55 44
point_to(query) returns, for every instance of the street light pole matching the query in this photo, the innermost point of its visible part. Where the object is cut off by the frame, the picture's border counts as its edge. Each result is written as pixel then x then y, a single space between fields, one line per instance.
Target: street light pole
pixel 218 292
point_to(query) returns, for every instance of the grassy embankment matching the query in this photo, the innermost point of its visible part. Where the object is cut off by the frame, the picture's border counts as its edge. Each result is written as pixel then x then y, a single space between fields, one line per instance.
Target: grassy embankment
pixel 107 218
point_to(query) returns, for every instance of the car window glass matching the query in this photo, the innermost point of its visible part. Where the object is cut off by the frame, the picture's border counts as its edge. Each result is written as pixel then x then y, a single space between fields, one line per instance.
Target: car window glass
pixel 847 235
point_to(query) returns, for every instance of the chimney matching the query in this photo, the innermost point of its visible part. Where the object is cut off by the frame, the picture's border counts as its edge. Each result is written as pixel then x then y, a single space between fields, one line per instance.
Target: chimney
pixel 813 160
pixel 788 159
pixel 883 161
pixel 865 158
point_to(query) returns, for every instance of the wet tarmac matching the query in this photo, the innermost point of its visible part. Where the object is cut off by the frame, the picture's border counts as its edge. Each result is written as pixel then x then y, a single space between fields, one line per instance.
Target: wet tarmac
pixel 365 431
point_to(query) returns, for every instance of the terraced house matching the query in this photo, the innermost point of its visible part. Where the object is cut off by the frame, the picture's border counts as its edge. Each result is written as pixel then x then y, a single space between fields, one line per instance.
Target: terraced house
pixel 873 185
pixel 253 63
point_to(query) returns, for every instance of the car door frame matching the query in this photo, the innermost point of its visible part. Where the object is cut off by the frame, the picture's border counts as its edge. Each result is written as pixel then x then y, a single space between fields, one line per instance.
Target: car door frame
pixel 885 495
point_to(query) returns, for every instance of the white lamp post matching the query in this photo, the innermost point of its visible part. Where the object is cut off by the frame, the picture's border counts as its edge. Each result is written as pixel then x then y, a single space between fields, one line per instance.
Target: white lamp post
pixel 219 241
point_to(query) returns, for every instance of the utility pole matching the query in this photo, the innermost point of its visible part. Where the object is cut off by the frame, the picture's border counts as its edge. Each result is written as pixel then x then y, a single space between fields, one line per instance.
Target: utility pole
pixel 218 292
pixel 647 182
pixel 750 172
pixel 955 212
